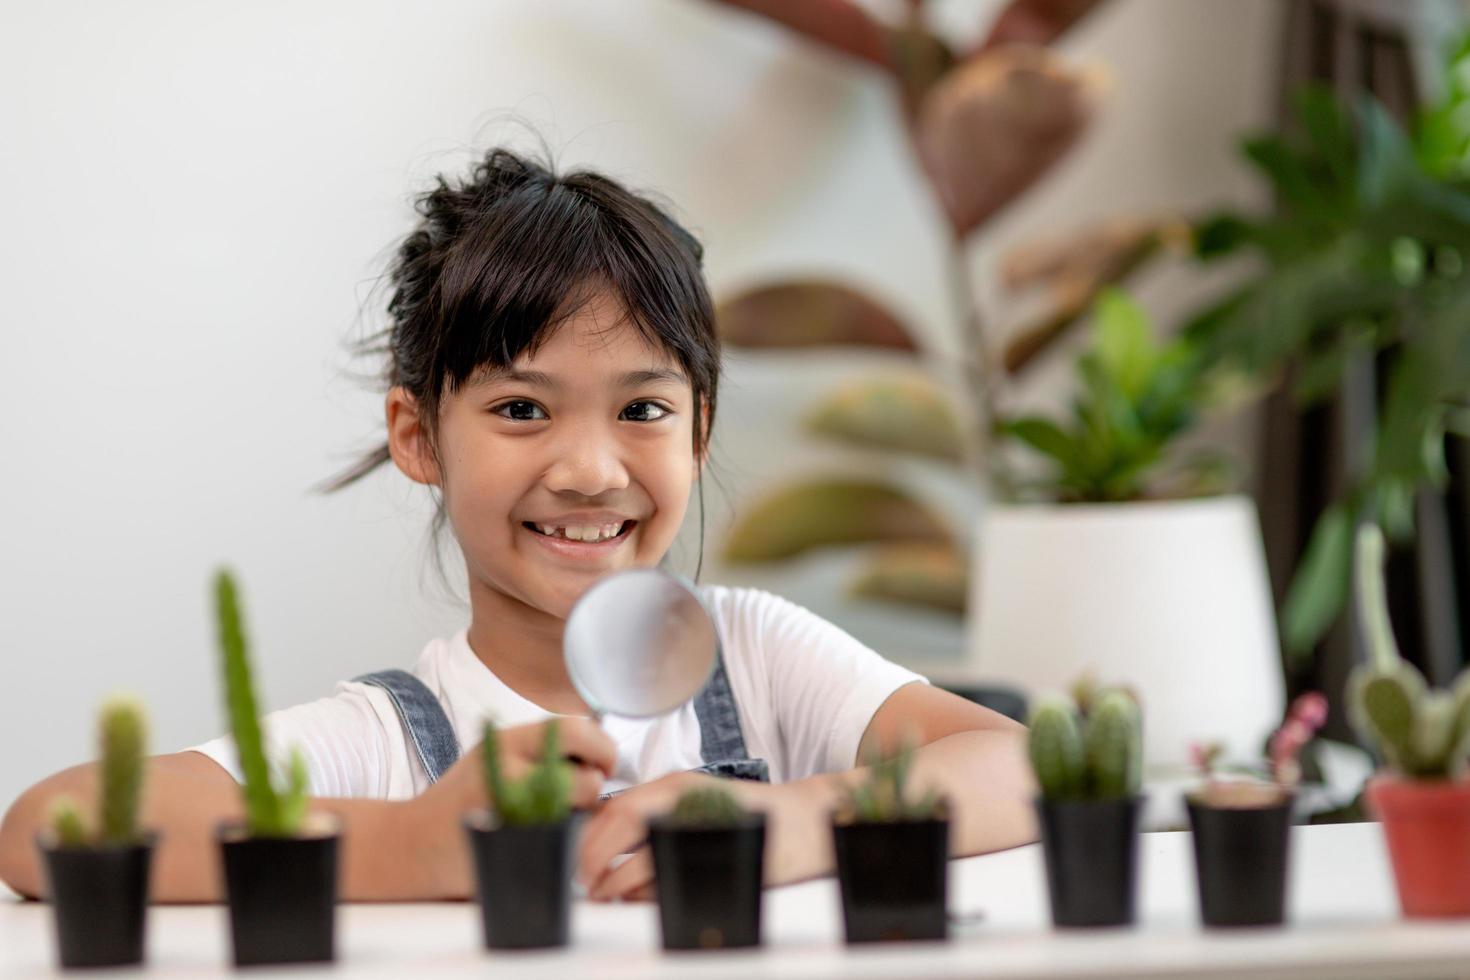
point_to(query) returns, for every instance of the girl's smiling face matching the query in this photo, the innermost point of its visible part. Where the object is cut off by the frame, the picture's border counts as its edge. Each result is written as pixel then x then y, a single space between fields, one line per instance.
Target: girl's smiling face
pixel 590 435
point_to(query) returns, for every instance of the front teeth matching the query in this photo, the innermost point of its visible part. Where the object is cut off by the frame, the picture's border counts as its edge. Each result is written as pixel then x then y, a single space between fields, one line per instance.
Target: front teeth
pixel 581 532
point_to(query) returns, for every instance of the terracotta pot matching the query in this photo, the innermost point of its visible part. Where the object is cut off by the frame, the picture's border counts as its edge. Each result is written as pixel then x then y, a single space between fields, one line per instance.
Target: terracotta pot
pixel 1427 826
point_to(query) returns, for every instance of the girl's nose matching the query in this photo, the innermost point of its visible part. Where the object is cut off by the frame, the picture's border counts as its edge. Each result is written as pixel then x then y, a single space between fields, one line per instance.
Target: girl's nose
pixel 589 465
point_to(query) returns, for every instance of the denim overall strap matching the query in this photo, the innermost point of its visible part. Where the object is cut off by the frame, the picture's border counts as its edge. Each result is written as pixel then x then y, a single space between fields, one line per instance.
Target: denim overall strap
pixel 428 726
pixel 721 743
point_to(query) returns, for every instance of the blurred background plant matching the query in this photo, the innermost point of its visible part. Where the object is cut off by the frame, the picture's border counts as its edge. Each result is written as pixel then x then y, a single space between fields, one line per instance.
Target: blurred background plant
pixel 1362 262
pixel 1138 397
pixel 984 125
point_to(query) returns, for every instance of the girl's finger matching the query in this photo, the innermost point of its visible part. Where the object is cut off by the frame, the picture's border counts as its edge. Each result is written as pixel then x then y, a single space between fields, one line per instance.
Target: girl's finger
pixel 586 787
pixel 585 740
pixel 611 831
pixel 630 876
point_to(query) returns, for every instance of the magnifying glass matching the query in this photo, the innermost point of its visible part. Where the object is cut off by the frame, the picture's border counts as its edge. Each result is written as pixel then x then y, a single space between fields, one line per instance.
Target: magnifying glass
pixel 639 643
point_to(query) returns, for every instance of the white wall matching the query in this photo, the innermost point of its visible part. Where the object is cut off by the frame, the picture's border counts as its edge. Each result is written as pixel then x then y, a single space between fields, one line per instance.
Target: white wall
pixel 197 198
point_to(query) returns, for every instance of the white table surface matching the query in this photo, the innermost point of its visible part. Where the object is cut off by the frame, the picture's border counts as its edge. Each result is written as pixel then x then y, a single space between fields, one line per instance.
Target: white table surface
pixel 1343 921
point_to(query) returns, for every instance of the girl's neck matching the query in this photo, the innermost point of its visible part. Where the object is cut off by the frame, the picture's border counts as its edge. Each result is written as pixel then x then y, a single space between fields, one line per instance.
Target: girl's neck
pixel 522 646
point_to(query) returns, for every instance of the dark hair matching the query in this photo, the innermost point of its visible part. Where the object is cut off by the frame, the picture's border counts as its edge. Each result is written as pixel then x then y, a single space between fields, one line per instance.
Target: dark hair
pixel 501 259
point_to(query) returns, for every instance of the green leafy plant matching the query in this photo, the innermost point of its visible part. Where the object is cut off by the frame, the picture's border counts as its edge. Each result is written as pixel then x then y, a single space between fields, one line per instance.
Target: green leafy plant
pixel 270 811
pixel 1364 255
pixel 542 795
pixel 884 796
pixel 1422 733
pixel 122 736
pixel 1096 756
pixel 708 807
pixel 1137 397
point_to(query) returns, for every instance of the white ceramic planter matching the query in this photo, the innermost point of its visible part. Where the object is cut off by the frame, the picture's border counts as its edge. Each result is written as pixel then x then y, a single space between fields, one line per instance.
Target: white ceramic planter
pixel 1171 598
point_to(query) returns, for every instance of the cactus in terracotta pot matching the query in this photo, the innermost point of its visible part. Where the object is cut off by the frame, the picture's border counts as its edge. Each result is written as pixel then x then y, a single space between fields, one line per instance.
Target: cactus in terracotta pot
pixel 1422 733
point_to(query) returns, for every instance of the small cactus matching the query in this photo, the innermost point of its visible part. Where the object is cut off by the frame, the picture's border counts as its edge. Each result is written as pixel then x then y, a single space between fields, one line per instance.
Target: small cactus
pixel 708 807
pixel 883 797
pixel 1087 757
pixel 1421 733
pixel 541 796
pixel 269 812
pixel 1055 745
pixel 68 824
pixel 123 735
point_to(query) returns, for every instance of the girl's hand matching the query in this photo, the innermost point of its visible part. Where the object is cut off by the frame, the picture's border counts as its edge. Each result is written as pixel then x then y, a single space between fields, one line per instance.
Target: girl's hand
pixel 437 812
pixel 798 834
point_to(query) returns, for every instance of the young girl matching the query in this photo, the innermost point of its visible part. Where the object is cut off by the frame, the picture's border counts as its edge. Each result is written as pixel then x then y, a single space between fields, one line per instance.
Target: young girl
pixel 553 368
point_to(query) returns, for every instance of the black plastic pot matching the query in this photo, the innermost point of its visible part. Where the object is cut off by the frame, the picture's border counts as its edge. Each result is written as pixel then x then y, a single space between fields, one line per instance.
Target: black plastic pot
pixel 709 883
pixel 282 893
pixel 99 897
pixel 894 879
pixel 1091 851
pixel 523 881
pixel 1240 861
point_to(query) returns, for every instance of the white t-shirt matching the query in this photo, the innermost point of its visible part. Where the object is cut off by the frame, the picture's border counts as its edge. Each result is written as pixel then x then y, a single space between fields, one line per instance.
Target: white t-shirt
pixel 804 688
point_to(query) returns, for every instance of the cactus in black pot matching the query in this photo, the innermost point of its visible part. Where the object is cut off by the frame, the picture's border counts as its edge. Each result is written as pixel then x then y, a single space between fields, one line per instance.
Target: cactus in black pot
pixel 1089 768
pixel 708 859
pixel 280 866
pixel 97 871
pixel 892 850
pixel 523 848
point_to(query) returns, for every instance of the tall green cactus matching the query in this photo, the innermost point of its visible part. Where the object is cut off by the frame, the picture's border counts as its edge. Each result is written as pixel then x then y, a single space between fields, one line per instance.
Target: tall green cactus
pixel 1096 757
pixel 269 812
pixel 541 796
pixel 1421 733
pixel 123 735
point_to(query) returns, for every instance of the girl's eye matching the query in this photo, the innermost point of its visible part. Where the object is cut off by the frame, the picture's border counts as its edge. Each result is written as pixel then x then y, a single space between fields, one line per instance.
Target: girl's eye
pixel 520 411
pixel 646 407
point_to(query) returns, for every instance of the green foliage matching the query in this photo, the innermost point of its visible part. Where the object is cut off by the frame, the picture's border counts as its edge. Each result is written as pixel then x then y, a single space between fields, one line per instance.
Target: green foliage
pixel 541 796
pixel 67 823
pixel 708 807
pixel 1137 397
pixel 1421 733
pixel 270 811
pixel 1097 756
pixel 1366 253
pixel 884 797
pixel 123 734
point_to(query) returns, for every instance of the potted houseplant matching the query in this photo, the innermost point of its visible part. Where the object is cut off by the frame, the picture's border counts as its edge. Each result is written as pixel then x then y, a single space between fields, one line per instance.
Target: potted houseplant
pixel 522 847
pixel 1423 736
pixel 1088 764
pixel 708 860
pixel 1120 550
pixel 1242 826
pixel 280 867
pixel 892 857
pixel 97 876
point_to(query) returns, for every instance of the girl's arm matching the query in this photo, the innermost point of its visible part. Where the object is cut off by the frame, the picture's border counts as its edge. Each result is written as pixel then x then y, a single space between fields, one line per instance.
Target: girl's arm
pixel 974 756
pixel 402 850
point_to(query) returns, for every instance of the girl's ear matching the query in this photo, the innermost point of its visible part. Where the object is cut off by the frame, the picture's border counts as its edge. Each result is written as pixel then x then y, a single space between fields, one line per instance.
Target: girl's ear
pixel 408 440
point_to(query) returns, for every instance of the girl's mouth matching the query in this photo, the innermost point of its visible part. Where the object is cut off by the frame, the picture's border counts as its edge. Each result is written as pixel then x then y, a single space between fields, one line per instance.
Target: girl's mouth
pixel 561 544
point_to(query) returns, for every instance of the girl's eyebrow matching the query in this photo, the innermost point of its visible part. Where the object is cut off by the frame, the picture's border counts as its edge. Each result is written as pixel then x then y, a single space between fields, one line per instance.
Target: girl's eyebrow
pixel 633 379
